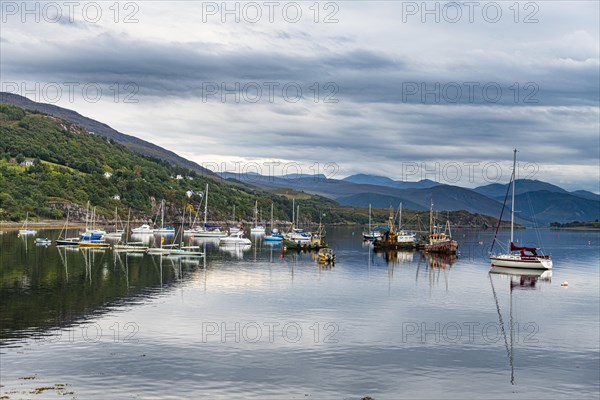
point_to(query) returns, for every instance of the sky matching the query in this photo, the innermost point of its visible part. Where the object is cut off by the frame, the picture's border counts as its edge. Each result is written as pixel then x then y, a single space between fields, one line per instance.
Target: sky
pixel 408 90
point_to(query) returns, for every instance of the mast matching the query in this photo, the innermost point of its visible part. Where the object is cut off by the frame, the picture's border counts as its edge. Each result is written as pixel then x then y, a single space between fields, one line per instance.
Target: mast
pixel 370 218
pixel 400 217
pixel 255 213
pixel 162 214
pixel 298 215
pixel 512 204
pixel 205 205
pixel 431 218
pixel 271 215
pixel 293 211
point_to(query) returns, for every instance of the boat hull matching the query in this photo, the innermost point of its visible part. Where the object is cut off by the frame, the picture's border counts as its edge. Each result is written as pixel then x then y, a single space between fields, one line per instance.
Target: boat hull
pixel 303 244
pixel 444 247
pixel 209 234
pixel 517 261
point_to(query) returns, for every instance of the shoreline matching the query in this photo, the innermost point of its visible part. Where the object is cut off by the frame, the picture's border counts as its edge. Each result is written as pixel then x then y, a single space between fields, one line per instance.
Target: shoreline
pixel 58 224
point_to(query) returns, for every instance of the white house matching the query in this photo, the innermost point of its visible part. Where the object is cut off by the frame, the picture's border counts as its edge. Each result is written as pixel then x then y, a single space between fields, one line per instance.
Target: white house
pixel 107 175
pixel 27 163
pixel 189 193
pixel 179 177
pixel 117 197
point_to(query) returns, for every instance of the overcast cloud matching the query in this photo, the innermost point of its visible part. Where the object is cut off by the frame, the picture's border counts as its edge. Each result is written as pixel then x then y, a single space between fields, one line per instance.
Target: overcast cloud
pixel 371 69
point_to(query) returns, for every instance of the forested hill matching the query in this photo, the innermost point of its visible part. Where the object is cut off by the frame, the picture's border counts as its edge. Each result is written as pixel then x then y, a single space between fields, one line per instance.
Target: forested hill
pixel 73 166
pixel 49 165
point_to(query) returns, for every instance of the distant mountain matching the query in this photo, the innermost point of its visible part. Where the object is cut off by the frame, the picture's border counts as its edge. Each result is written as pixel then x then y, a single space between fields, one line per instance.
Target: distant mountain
pixel 584 194
pixel 384 181
pixel 550 202
pixel 377 200
pixel 497 191
pixel 546 207
pixel 131 142
pixel 445 197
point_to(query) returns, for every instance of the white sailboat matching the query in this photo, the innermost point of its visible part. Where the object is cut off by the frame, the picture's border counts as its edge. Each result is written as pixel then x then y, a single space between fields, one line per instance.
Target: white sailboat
pixel 517 256
pixel 206 230
pixel 257 229
pixel 24 230
pixel 371 234
pixel 163 229
pixel 235 239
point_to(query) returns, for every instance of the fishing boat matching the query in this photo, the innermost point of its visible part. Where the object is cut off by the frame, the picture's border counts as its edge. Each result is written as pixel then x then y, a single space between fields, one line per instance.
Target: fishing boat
pixel 164 229
pixel 24 229
pixel 257 229
pixel 235 239
pixel 208 230
pixel 326 256
pixel 439 241
pixel 517 256
pixel 393 238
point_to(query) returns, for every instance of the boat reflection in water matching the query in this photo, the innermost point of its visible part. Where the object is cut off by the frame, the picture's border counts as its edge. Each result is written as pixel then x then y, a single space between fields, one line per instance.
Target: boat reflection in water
pixel 394 256
pixel 519 279
pixel 235 250
pixel 440 260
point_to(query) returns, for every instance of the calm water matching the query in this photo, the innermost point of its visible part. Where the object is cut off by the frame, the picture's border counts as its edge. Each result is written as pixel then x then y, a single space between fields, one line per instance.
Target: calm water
pixel 254 323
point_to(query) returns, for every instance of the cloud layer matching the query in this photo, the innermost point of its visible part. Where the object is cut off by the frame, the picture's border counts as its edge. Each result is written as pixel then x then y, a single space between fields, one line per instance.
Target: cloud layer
pixel 369 93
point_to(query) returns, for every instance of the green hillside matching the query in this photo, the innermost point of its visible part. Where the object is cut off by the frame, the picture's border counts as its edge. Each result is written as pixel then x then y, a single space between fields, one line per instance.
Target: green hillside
pixel 69 166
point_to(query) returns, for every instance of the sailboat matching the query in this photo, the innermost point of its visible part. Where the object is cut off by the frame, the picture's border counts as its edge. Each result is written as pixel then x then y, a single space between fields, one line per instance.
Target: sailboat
pixel 117 233
pixel 371 234
pixel 234 229
pixel 257 229
pixel 91 233
pixel 188 251
pixel 517 256
pixel 275 235
pixel 163 229
pixel 207 230
pixel 24 230
pixel 63 240
pixel 130 247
